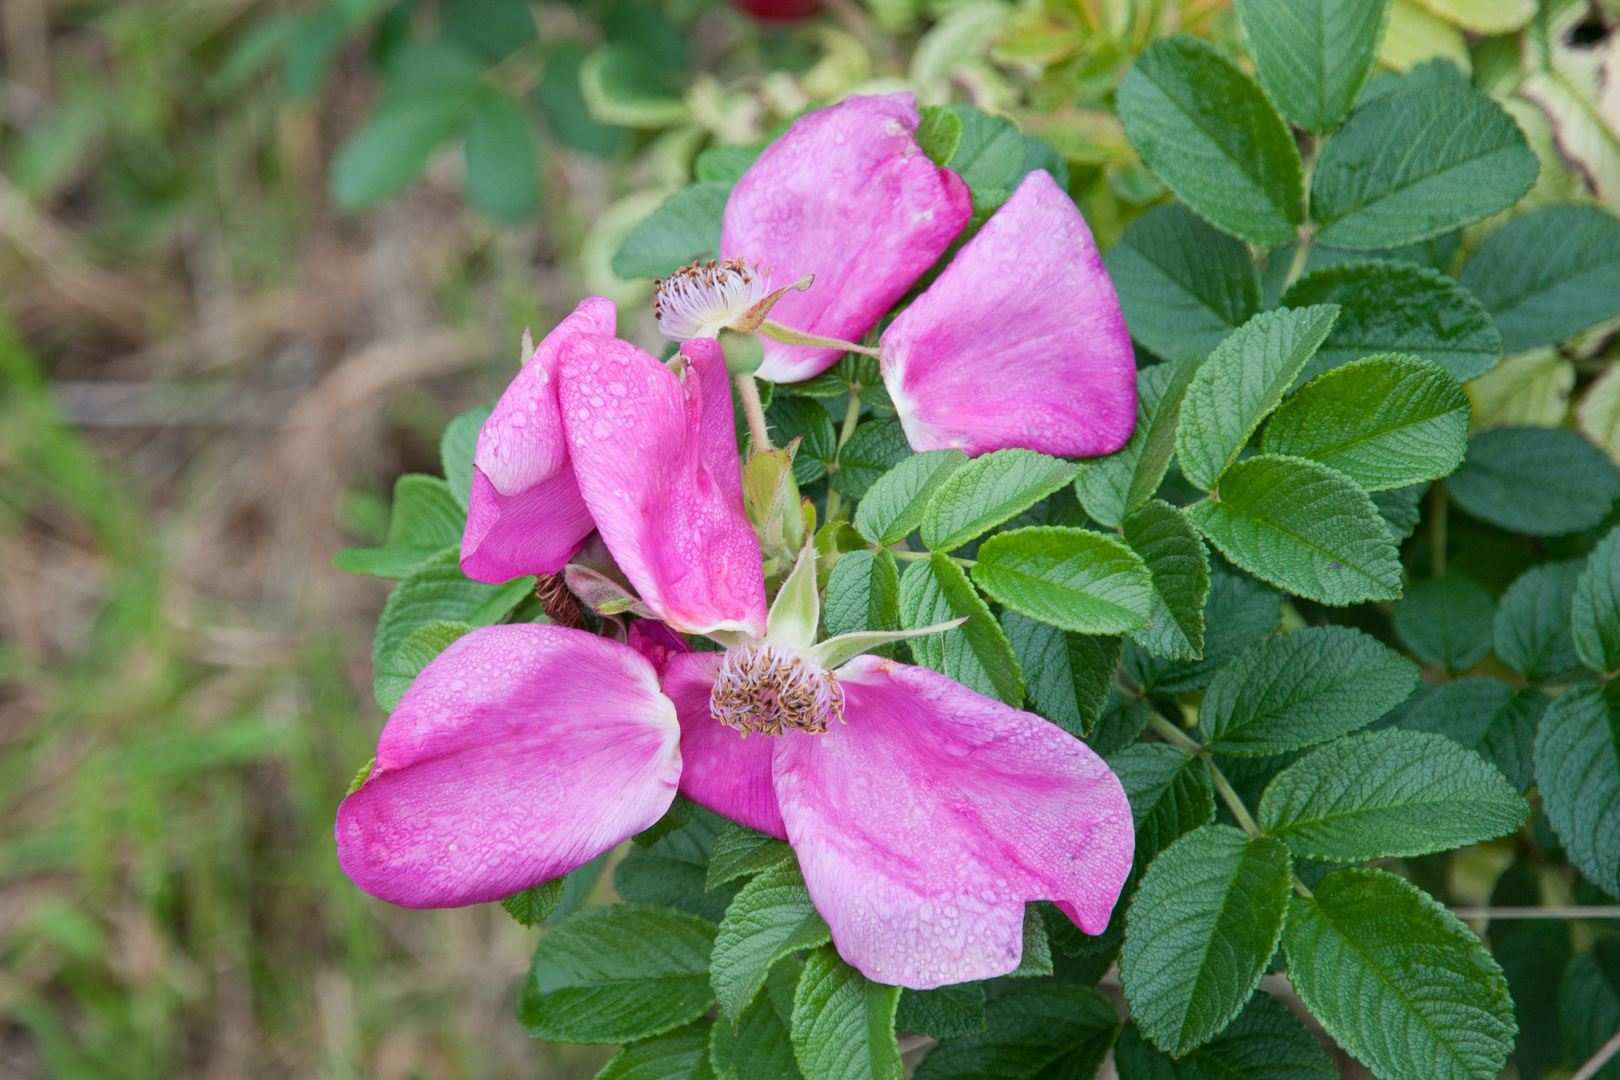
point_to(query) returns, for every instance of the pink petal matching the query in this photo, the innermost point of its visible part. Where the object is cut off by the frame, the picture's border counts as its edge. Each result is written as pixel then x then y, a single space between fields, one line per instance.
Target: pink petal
pixel 526 515
pixel 847 195
pixel 1020 342
pixel 657 642
pixel 926 821
pixel 520 753
pixel 724 772
pixel 656 457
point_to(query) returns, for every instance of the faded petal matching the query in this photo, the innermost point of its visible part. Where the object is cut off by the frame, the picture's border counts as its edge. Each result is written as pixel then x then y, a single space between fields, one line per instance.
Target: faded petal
pixel 725 772
pixel 1019 342
pixel 847 195
pixel 926 821
pixel 656 457
pixel 520 753
pixel 526 515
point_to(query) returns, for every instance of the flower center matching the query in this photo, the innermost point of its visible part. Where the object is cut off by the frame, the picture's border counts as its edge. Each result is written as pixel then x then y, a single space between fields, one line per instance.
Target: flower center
pixel 770 688
pixel 699 300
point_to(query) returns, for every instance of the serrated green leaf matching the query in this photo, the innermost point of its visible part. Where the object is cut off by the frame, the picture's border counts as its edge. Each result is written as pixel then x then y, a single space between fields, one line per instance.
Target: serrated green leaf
pixel 1387 794
pixel 843 1024
pixel 1239 612
pixel 953 1011
pixel 1072 578
pixel 1048 1030
pixel 392 148
pixel 895 504
pixel 1111 487
pixel 1446 621
pixel 1484 715
pixel 1595 617
pixel 1416 163
pixel 1589 1011
pixel 503 178
pixel 1303 527
pixel 1399 507
pixel 1183 284
pixel 438 591
pixel 1302 688
pixel 760 1047
pixel 1398 980
pixel 1313 56
pixel 673 871
pixel 1578 772
pixel 1066 675
pixel 686 226
pixel 1549 274
pixel 456 449
pixel 618 973
pixel 1387 306
pixel 939 133
pixel 681 1054
pixel 989 156
pixel 863 593
pixel 1200 929
pixel 1205 128
pixel 726 163
pixel 876 447
pixel 1119 725
pixel 1170 793
pixel 425 521
pixel 536 904
pixel 1541 481
pixel 976 654
pixel 1385 422
pixel 395 675
pixel 792 417
pixel 771 917
pixel 987 491
pixel 1265 1042
pixel 1533 633
pixel 1240 383
pixel 739 850
pixel 1035 960
pixel 1179 566
pixel 678 816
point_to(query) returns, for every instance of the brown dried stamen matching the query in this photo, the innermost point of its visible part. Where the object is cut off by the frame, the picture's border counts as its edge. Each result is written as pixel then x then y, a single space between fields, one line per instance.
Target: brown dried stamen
pixel 770 688
pixel 562 607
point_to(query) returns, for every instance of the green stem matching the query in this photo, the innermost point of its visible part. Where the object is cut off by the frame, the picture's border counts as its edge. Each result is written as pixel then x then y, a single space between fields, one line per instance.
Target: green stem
pixel 1438 507
pixel 1302 250
pixel 748 390
pixel 1178 738
pixel 919 556
pixel 835 502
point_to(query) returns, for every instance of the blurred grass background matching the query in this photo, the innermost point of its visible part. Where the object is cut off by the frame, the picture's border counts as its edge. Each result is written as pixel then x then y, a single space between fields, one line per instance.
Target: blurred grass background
pixel 209 379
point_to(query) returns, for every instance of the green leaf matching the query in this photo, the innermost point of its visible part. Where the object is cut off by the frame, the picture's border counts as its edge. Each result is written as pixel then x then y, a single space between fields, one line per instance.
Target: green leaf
pixel 1200 929
pixel 1303 527
pixel 567 114
pixel 457 446
pixel 739 850
pixel 1302 688
pixel 1534 635
pixel 537 903
pixel 674 870
pixel 1036 958
pixel 1066 675
pixel 1119 725
pixel 1589 1010
pixel 392 148
pixel 492 29
pixel 1541 481
pixel 1265 1042
pixel 621 87
pixel 1398 980
pixel 1385 422
pixel 940 133
pixel 686 226
pixel 1578 773
pixel 863 593
pixel 989 156
pixel 843 1025
pixel 503 180
pixel 895 504
pixel 791 417
pixel 1183 284
pixel 761 1046
pixel 1240 383
pixel 876 447
pixel 1170 793
pixel 1313 57
pixel 953 1011
pixel 1051 1030
pixel 1486 716
pixel 678 1055
pixel 1549 274
pixel 438 591
pixel 1416 163
pixel 395 675
pixel 1209 132
pixel 1179 566
pixel 771 917
pixel 987 491
pixel 976 654
pixel 726 163
pixel 1446 621
pixel 1111 487
pixel 678 816
pixel 1239 612
pixel 425 521
pixel 1389 794
pixel 618 973
pixel 1072 578
pixel 1595 619
pixel 1389 306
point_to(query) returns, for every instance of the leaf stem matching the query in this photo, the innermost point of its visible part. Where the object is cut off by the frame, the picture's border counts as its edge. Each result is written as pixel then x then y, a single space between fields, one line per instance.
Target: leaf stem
pixel 1439 506
pixel 748 390
pixel 1180 739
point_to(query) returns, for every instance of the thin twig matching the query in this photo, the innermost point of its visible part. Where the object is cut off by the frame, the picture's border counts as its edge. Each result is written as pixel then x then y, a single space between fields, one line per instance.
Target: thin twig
pixel 1599 1059
pixel 1176 737
pixel 1568 911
